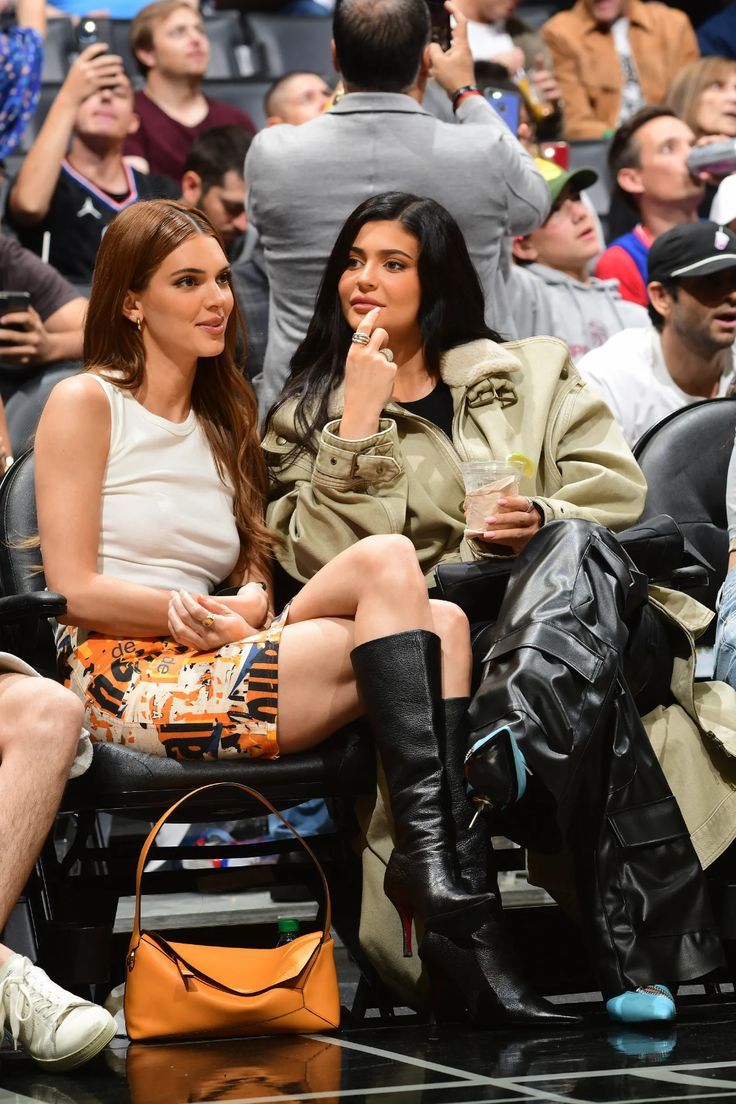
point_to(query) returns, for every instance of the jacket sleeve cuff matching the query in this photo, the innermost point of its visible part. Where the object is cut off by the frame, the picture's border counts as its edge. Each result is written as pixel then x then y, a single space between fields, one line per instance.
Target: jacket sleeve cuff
pixel 370 460
pixel 477 109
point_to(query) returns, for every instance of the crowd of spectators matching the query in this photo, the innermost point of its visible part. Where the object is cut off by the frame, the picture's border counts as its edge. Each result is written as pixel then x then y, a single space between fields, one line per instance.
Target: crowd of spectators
pixel 633 316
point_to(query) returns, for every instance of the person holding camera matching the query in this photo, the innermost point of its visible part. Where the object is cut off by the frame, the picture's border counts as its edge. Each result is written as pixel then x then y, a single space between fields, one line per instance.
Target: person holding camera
pixel 74 179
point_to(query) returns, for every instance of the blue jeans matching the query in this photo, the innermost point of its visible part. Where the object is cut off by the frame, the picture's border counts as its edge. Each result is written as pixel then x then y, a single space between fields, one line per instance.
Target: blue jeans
pixel 311 818
pixel 725 650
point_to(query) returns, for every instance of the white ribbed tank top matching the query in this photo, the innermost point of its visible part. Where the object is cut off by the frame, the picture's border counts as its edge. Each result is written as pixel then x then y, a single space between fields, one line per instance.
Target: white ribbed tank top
pixel 167 516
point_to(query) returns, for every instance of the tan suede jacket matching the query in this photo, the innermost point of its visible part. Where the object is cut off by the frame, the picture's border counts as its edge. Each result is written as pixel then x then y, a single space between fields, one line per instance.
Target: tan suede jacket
pixel 587 67
pixel 524 396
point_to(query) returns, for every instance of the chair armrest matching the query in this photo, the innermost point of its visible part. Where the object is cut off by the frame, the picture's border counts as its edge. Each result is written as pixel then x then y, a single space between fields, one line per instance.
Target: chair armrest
pixel 33 606
pixel 688 578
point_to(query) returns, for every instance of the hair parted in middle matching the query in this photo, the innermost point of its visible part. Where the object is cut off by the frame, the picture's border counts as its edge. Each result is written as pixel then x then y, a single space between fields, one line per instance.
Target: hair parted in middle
pixel 451 308
pixel 136 243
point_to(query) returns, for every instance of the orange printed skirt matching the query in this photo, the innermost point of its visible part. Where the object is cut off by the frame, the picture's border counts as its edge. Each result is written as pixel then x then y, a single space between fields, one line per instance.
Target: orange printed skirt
pixel 160 697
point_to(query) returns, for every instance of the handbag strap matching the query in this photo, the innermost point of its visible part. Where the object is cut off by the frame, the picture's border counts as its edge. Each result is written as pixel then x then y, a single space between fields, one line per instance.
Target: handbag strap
pixel 267 804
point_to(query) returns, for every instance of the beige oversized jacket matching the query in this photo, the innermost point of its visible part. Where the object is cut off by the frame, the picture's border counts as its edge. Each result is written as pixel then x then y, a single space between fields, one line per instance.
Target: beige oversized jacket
pixel 524 396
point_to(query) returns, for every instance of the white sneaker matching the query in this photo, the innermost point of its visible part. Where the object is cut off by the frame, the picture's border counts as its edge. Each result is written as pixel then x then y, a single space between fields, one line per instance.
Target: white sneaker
pixel 60 1031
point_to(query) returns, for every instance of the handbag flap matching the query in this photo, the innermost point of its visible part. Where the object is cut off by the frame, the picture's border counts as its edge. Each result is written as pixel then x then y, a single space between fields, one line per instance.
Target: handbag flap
pixel 243 970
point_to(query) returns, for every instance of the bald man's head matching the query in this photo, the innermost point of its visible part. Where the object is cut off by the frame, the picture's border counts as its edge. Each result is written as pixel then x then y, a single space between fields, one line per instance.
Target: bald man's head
pixel 379 43
pixel 296 98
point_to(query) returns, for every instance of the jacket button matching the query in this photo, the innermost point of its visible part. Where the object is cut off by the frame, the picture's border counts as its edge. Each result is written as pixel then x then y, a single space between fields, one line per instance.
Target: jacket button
pixel 333 460
pixel 280 440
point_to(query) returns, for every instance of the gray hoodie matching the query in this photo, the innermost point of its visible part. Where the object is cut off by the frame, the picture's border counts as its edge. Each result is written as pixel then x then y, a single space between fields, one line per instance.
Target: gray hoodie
pixel 584 316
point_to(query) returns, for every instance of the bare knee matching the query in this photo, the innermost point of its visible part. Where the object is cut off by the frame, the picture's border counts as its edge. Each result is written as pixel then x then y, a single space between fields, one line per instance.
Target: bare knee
pixel 55 720
pixel 390 561
pixel 451 625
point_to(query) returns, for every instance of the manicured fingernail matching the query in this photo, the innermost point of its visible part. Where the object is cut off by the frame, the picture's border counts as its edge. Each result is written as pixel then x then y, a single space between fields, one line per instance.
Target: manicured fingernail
pixel 502 501
pixel 490 521
pixel 493 534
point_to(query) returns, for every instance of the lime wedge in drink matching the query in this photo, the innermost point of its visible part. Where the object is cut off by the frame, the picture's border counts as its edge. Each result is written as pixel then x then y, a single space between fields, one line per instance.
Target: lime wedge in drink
pixel 526 465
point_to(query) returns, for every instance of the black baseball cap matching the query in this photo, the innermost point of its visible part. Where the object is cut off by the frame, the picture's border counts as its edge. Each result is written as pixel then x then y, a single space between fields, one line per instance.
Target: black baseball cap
pixel 693 249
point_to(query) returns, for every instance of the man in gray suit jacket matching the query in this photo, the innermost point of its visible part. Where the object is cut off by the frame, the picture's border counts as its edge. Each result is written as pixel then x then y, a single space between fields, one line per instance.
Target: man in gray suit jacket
pixel 304 181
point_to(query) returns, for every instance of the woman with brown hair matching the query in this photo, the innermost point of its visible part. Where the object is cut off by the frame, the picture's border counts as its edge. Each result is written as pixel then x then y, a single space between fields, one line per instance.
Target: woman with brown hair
pixel 151 490
pixel 704 95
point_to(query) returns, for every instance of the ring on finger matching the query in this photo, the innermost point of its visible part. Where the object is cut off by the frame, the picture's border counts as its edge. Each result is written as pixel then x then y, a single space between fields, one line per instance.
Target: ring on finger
pixel 387 354
pixel 530 507
pixel 360 338
pixel 207 622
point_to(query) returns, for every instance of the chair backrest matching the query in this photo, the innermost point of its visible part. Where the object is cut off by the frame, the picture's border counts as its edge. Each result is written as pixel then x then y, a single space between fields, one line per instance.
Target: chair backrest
pixel 20 561
pixel 292 42
pixel 594 155
pixel 58 46
pixel 248 96
pixel 224 34
pixel 685 459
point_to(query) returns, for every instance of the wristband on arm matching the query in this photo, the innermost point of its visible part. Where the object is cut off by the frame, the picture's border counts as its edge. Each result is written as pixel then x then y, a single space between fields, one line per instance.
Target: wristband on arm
pixel 461 93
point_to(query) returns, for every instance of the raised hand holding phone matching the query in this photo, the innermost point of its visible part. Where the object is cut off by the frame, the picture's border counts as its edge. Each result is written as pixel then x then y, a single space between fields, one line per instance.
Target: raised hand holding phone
pixel 369 379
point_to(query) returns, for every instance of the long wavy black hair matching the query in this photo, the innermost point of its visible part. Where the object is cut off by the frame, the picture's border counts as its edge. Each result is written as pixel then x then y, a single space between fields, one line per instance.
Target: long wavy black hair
pixel 451 308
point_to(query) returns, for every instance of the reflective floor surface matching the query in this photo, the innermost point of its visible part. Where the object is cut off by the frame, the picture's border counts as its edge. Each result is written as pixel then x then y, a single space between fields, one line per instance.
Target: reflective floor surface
pixel 409 1064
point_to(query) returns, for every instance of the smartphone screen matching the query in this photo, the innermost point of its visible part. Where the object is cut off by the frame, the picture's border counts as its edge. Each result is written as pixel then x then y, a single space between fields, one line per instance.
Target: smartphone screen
pixel 440 20
pixel 507 104
pixel 12 302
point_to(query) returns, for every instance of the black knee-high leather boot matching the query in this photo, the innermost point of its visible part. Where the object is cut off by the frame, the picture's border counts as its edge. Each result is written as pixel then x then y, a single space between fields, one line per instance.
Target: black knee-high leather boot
pixel 482 971
pixel 554 677
pixel 400 680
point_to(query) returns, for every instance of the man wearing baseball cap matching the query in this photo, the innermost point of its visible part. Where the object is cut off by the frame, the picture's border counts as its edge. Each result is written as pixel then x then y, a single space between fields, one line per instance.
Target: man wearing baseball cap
pixel 688 353
pixel 583 311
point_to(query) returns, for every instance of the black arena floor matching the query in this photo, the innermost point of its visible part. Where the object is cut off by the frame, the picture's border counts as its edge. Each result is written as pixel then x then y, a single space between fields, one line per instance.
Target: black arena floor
pixel 411 1062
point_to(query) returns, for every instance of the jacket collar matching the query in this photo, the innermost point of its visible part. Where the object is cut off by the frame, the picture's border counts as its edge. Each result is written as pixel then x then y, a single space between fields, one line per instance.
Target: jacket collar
pixel 483 369
pixel 638 15
pixel 357 103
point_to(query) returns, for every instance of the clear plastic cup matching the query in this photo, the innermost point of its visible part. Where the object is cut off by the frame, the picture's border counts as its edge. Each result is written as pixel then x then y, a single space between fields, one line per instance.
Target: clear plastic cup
pixel 485 482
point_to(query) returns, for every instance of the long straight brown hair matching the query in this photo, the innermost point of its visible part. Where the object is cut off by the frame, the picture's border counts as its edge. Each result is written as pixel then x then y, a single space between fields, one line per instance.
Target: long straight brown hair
pixel 135 244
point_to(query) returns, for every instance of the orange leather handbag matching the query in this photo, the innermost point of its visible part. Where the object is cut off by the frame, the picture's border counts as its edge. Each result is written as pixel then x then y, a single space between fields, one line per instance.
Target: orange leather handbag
pixel 187 991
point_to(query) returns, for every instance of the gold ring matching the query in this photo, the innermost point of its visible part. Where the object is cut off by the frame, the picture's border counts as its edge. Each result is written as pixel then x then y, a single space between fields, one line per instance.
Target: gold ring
pixel 207 622
pixel 530 507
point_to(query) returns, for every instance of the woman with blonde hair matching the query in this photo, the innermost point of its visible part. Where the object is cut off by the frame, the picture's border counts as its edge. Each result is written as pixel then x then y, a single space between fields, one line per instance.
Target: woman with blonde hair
pixel 151 490
pixel 704 95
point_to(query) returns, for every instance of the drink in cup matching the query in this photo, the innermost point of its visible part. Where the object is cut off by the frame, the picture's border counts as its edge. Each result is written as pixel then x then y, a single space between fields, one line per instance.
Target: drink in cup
pixel 485 482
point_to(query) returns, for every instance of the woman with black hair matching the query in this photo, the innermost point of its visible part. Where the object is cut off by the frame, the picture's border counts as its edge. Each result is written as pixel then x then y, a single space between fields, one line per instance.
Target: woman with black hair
pixel 369 439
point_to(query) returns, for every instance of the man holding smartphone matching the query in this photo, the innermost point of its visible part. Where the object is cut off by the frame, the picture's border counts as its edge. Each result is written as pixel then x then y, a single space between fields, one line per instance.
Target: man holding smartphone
pixel 74 179
pixel 40 343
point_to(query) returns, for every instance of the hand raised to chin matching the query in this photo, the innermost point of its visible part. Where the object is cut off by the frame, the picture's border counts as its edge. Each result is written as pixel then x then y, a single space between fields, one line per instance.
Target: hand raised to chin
pixel 369 379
